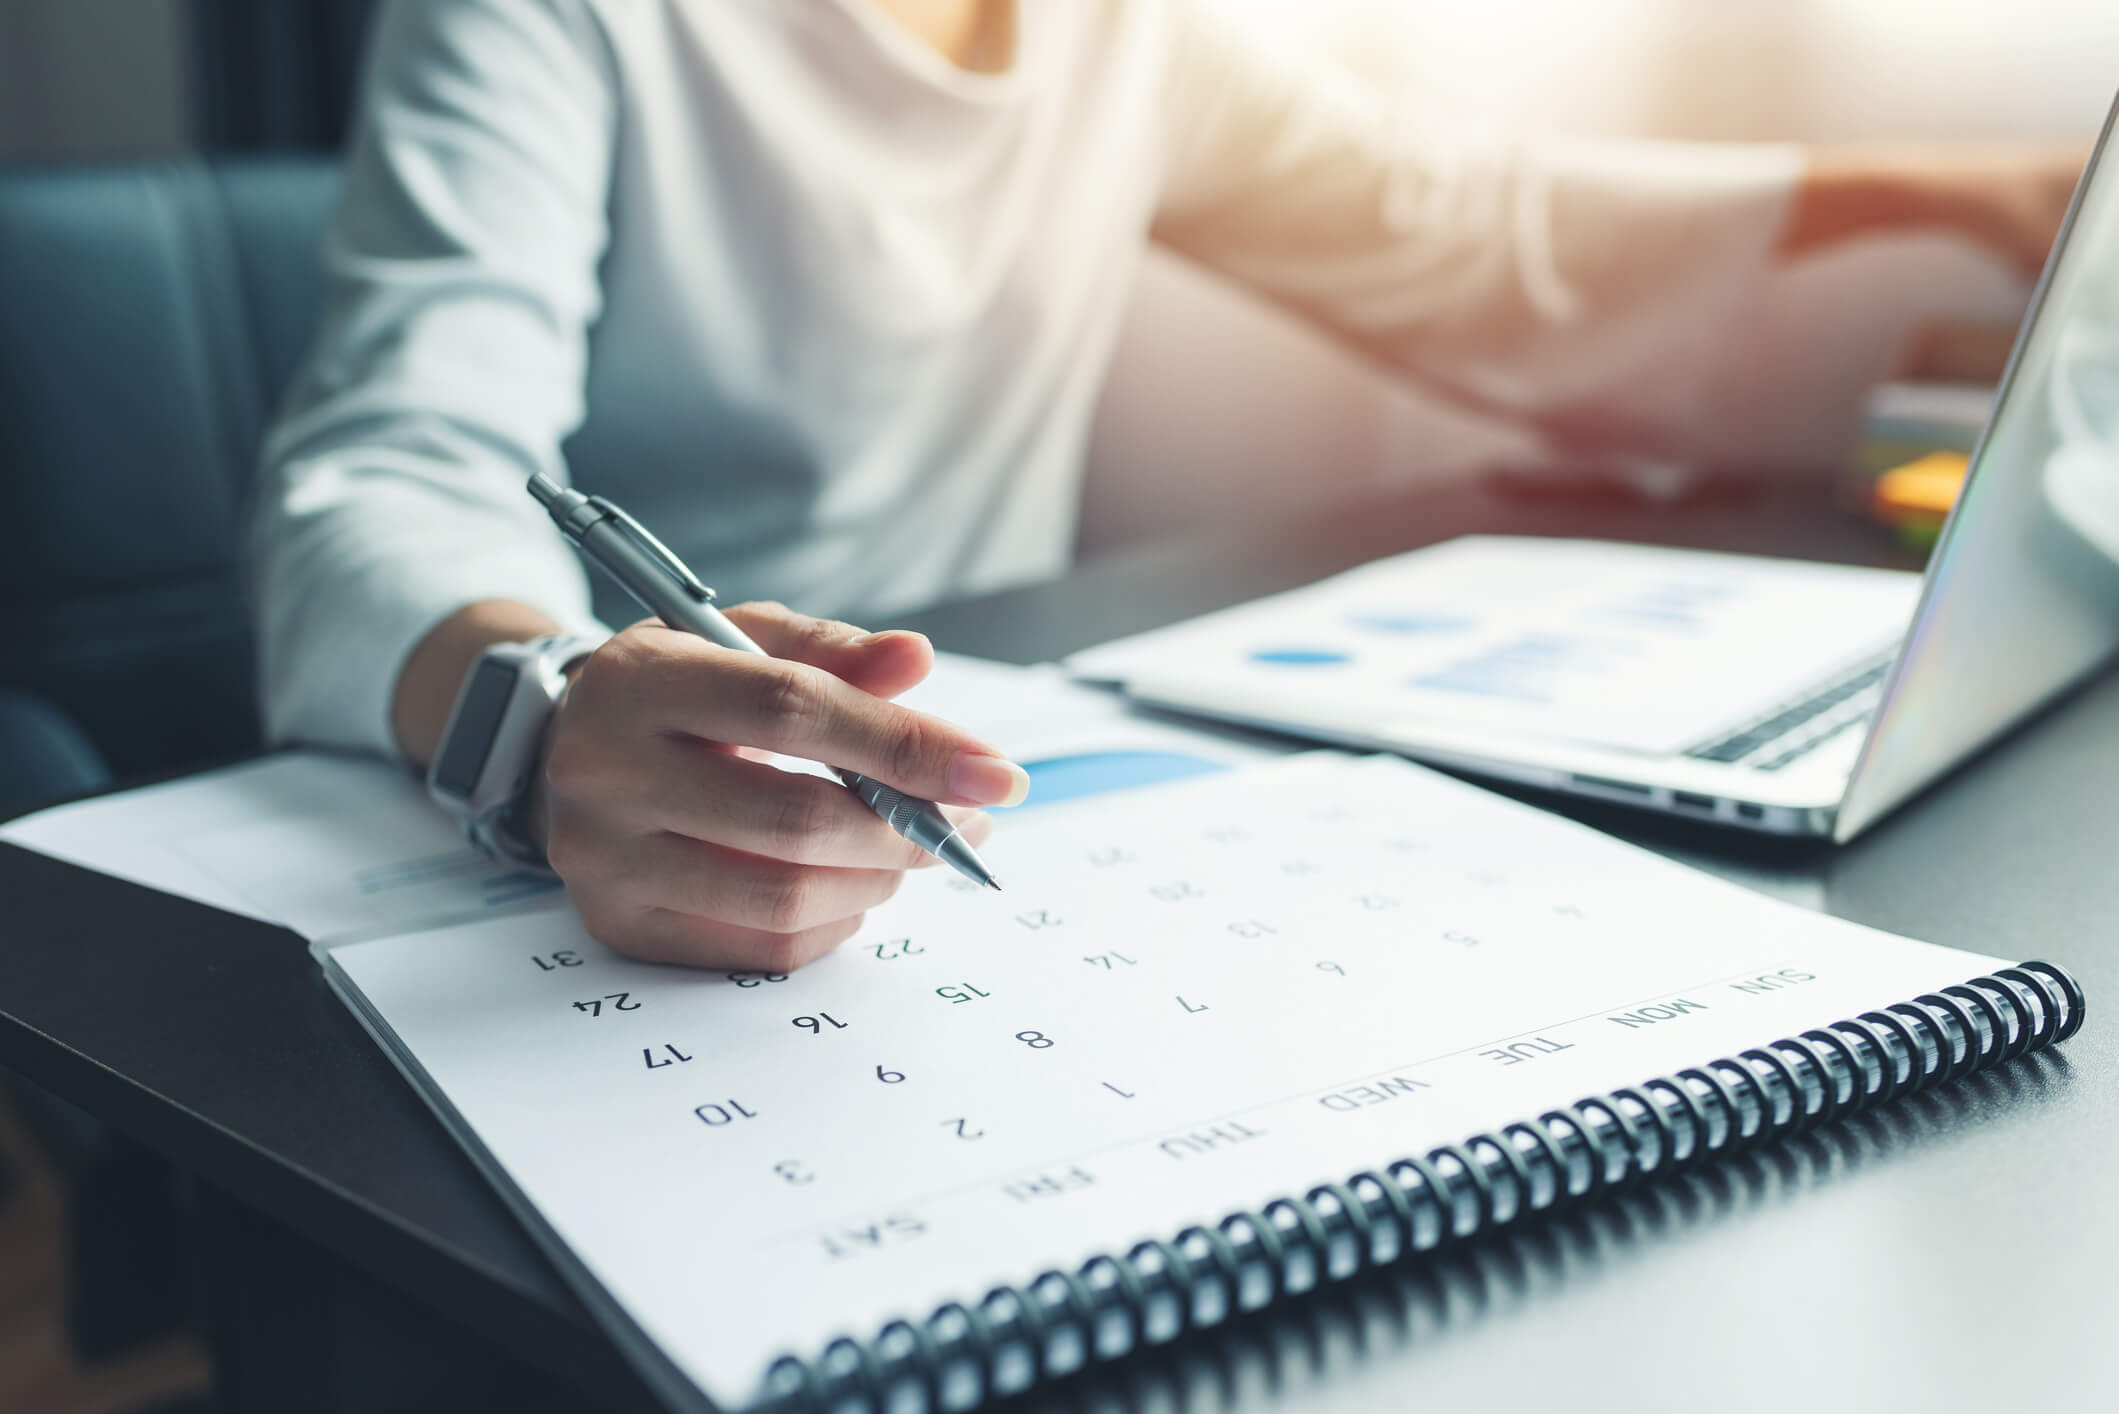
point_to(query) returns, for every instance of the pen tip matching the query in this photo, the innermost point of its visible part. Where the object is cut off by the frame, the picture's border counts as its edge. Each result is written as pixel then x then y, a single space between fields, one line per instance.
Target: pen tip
pixel 993 883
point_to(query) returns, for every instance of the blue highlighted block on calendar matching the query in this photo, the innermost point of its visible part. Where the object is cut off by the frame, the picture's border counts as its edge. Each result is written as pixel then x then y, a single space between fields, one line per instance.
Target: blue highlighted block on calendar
pixel 1302 657
pixel 1102 772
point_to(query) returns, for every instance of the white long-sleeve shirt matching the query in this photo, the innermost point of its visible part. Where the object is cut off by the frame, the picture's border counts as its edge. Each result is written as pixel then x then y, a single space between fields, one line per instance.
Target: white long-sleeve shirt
pixel 830 314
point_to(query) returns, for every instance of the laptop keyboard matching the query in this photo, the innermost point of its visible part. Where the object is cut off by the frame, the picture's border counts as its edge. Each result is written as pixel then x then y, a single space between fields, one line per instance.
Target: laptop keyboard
pixel 1795 730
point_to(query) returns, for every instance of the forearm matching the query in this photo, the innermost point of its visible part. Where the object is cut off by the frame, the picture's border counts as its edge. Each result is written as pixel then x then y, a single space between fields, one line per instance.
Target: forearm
pixel 427 683
pixel 1849 191
pixel 449 365
pixel 1576 285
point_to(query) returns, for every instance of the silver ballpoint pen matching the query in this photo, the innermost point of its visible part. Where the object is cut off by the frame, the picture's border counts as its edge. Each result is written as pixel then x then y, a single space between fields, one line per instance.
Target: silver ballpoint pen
pixel 648 571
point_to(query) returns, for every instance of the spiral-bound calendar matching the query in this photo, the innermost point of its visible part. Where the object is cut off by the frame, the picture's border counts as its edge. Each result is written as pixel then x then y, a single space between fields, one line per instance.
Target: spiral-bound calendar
pixel 1220 1042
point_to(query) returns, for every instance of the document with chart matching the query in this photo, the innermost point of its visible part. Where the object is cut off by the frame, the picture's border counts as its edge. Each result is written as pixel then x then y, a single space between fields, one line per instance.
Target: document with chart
pixel 1221 1039
pixel 1634 647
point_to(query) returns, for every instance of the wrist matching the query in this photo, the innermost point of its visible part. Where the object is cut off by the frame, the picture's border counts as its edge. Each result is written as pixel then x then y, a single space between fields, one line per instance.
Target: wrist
pixel 434 672
pixel 2008 198
pixel 490 754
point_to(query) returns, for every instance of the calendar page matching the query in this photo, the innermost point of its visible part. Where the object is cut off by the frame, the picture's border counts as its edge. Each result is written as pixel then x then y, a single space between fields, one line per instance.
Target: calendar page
pixel 1191 999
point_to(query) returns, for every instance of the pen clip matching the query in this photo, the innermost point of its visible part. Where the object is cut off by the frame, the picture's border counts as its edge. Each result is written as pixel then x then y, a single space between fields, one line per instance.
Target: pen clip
pixel 656 550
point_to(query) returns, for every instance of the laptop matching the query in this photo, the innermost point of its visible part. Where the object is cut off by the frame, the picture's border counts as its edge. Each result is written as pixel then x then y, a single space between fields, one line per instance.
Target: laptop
pixel 1764 694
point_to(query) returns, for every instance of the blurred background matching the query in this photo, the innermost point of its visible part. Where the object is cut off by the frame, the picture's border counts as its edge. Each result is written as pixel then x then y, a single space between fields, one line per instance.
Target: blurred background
pixel 1210 389
pixel 1210 385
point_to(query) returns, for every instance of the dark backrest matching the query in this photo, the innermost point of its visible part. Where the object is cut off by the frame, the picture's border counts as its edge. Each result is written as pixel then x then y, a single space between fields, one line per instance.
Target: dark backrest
pixel 149 316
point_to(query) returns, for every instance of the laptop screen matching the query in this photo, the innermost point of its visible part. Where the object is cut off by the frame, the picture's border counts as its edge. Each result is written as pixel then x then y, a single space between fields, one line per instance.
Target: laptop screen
pixel 2022 596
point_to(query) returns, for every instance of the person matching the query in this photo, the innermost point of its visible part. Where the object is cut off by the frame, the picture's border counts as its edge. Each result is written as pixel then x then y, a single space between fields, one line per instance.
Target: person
pixel 825 288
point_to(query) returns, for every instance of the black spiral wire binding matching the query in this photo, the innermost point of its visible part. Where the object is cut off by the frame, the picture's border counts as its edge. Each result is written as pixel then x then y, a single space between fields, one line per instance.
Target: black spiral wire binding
pixel 1062 1322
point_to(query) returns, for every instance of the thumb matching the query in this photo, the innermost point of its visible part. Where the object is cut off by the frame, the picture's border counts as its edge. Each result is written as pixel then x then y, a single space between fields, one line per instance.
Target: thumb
pixel 884 664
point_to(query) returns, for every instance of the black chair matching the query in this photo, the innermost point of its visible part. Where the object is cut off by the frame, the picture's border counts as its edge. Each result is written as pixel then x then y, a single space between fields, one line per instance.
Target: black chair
pixel 149 316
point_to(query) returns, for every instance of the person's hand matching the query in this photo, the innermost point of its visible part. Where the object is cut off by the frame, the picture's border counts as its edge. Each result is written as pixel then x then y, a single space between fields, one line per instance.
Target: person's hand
pixel 679 844
pixel 2009 198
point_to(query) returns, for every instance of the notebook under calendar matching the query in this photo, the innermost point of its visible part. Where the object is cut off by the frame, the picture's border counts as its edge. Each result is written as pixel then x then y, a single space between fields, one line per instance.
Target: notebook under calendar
pixel 1221 1041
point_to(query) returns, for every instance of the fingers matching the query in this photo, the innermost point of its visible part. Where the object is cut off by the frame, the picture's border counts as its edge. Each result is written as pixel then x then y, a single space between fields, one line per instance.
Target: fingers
pixel 662 935
pixel 693 788
pixel 747 890
pixel 743 804
pixel 884 664
pixel 677 846
pixel 684 902
pixel 682 684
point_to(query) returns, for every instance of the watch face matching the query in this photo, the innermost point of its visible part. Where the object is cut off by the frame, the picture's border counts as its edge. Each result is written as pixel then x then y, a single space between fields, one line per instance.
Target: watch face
pixel 471 732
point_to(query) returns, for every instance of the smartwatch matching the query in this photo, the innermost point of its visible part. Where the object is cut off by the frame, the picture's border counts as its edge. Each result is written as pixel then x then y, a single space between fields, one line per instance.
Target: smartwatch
pixel 481 771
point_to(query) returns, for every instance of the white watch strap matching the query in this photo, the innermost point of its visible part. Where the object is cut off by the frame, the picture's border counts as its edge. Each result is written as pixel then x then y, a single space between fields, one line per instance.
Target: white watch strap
pixel 507 745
